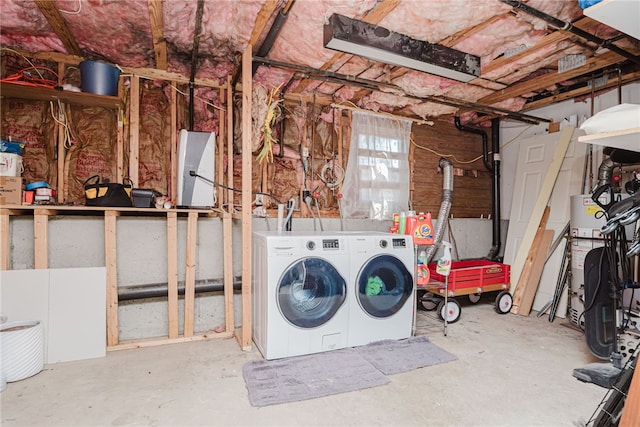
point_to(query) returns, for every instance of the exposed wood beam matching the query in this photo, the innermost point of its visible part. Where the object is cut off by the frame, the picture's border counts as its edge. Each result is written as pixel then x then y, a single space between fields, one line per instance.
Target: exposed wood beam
pixel 149 73
pixel 467 32
pixel 373 17
pixel 59 25
pixel 196 39
pixel 265 14
pixel 553 38
pixel 626 79
pixel 552 99
pixel 593 64
pixel 156 16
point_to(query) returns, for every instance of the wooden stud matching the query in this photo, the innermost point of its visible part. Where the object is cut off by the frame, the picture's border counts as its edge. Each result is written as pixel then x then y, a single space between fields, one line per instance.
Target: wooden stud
pixel 41 238
pixel 111 264
pixel 134 129
pixel 59 25
pixel 156 17
pixel 154 342
pixel 190 274
pixel 173 186
pixel 5 241
pixel 227 266
pixel 229 198
pixel 219 160
pixel 120 135
pixel 245 339
pixel 172 272
pixel 61 135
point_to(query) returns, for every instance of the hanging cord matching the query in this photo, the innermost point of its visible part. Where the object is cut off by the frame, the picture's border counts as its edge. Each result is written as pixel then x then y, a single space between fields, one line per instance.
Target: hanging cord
pixel 319 217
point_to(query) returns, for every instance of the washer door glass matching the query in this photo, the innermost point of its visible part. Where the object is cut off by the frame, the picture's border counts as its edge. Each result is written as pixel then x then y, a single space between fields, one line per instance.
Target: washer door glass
pixel 310 292
pixel 384 285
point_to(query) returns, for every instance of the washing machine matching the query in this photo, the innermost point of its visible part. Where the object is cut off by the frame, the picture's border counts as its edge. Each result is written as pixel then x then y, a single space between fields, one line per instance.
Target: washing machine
pixel 300 291
pixel 381 288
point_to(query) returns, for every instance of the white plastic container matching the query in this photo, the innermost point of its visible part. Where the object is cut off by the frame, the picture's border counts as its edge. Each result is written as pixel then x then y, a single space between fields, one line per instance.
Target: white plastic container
pixel 22 347
pixel 10 164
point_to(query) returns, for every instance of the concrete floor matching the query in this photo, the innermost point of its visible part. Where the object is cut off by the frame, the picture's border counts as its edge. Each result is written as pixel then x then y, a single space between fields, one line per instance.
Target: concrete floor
pixel 511 371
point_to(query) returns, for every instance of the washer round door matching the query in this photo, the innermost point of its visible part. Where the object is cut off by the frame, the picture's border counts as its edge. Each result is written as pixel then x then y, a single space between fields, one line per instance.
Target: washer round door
pixel 384 285
pixel 310 292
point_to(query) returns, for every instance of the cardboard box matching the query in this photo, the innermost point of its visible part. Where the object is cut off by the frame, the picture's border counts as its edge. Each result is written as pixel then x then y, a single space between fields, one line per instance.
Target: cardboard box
pixel 10 190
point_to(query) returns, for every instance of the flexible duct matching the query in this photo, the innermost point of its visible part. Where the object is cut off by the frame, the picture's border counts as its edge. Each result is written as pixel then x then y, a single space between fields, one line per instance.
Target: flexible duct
pixel 445 207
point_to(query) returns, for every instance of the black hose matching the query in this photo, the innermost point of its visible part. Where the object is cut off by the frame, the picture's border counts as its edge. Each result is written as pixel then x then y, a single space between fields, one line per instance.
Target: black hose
pixel 159 290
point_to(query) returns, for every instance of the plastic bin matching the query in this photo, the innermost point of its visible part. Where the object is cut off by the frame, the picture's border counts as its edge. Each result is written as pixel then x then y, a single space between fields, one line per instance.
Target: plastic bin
pixel 99 78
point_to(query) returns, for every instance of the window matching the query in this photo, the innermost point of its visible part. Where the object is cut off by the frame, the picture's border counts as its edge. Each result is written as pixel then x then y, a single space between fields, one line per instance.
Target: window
pixel 376 183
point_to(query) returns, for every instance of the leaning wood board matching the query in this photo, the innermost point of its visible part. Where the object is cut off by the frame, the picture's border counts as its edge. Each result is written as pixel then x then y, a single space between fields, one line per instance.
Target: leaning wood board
pixel 541 203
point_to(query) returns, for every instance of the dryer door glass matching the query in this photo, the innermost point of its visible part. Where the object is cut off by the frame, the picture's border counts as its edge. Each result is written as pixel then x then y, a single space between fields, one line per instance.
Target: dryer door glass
pixel 384 285
pixel 310 292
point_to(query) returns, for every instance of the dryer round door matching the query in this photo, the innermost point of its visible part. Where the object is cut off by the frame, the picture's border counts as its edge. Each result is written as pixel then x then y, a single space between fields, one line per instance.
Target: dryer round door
pixel 384 284
pixel 310 292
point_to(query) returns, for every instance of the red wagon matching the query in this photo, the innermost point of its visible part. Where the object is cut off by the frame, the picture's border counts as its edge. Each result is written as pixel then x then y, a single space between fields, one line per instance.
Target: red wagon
pixel 472 278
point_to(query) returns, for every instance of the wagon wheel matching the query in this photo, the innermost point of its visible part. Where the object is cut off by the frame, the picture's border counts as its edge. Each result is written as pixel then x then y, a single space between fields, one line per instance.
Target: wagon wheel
pixel 429 304
pixel 474 298
pixel 452 310
pixel 504 302
pixel 425 301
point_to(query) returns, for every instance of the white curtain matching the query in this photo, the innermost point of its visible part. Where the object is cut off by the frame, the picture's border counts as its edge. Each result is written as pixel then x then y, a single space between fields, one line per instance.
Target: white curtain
pixel 376 182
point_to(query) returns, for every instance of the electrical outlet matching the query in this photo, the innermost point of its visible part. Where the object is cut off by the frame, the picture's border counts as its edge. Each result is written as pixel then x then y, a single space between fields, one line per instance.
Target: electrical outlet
pixel 259 201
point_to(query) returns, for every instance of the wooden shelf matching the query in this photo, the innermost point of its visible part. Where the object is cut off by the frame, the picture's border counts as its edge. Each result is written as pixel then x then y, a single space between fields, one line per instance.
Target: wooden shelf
pixel 627 139
pixel 97 210
pixel 45 94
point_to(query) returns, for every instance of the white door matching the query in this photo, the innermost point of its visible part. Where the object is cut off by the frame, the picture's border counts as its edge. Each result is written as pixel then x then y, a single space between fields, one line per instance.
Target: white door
pixel 534 156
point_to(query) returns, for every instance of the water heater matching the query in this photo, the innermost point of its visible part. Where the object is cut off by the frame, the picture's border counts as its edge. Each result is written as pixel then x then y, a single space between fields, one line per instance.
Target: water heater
pixel 196 152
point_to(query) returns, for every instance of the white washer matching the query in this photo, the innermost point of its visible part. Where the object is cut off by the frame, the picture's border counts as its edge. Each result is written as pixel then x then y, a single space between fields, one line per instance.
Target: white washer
pixel 381 290
pixel 299 293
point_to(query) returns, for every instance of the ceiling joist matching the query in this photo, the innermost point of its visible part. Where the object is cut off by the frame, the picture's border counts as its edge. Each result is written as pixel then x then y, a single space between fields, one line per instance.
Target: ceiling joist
pixel 59 25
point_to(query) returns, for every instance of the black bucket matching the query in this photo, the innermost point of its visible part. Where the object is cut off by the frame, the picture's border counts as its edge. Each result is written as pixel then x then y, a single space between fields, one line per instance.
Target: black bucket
pixel 99 78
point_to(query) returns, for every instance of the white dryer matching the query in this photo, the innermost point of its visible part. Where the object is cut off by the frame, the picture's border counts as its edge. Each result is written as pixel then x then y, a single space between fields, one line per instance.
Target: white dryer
pixel 299 293
pixel 382 292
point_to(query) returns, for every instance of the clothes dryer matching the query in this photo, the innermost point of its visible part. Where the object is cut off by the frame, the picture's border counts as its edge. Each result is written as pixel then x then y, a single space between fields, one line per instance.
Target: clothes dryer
pixel 299 293
pixel 382 292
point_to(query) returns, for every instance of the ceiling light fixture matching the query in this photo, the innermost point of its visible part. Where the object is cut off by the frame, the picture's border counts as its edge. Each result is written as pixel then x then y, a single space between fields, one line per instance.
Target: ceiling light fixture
pixel 383 45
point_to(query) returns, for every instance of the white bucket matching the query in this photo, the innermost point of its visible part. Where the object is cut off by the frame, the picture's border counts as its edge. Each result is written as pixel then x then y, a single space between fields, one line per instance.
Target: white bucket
pixel 22 349
pixel 11 164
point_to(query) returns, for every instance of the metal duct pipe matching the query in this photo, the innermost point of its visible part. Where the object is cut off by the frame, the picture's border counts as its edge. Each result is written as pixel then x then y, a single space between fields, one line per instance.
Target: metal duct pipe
pixel 495 194
pixel 483 134
pixel 445 207
pixel 567 26
pixel 159 290
pixel 495 177
pixel 605 172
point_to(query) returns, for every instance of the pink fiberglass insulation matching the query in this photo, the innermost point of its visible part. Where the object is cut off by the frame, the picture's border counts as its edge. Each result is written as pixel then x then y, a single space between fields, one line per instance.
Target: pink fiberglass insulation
pixel 380 101
pixel 421 84
pixel 467 92
pixel 300 40
pixel 25 27
pixel 106 30
pixel 428 110
pixel 434 20
pixel 505 33
pixel 273 77
pixel 226 29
